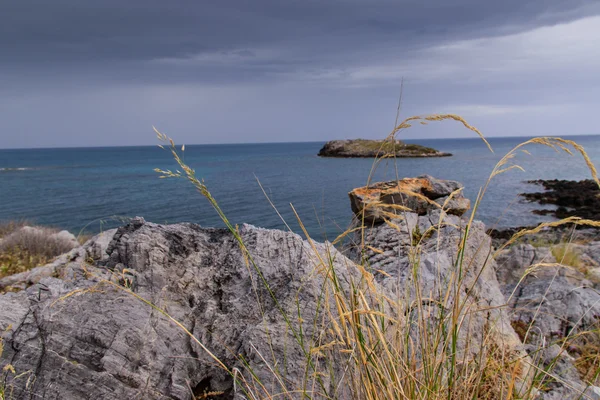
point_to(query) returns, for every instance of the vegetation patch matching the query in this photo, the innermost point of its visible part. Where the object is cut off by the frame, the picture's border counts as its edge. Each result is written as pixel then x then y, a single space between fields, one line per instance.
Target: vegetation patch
pixel 8 227
pixel 587 362
pixel 566 254
pixel 377 148
pixel 23 248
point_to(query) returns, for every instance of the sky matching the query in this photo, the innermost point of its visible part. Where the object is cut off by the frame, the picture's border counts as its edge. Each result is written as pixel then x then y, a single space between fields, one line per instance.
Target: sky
pixel 102 73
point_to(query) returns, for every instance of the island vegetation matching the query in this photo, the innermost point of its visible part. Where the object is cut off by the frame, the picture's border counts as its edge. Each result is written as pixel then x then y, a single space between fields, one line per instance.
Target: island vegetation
pixel 368 148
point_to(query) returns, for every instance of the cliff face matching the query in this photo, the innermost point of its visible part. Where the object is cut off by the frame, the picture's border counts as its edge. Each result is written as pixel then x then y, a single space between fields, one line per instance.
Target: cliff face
pixel 363 148
pixel 72 330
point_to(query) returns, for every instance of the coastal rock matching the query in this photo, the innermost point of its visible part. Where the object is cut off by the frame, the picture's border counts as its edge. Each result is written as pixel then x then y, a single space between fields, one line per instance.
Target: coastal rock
pixel 552 305
pixel 549 236
pixel 555 301
pixel 394 249
pixel 364 148
pixel 589 253
pixel 571 198
pixel 96 247
pixel 79 334
pixel 561 363
pixel 512 264
pixel 102 320
pixel 420 195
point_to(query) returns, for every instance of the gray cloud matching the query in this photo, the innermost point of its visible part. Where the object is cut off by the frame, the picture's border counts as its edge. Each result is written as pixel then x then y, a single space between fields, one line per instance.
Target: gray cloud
pixel 195 65
pixel 63 32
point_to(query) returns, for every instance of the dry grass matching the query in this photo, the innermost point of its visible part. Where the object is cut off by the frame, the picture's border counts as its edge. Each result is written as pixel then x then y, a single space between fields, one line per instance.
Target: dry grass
pixel 566 254
pixel 376 339
pixel 586 347
pixel 84 237
pixel 7 227
pixel 392 349
pixel 384 358
pixel 24 248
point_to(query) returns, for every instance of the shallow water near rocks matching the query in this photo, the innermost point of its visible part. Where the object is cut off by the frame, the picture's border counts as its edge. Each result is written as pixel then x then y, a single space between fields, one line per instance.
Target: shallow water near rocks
pixel 78 188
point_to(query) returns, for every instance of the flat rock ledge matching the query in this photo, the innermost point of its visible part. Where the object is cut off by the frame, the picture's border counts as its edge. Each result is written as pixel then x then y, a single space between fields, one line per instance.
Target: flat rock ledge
pixel 421 195
pixel 363 148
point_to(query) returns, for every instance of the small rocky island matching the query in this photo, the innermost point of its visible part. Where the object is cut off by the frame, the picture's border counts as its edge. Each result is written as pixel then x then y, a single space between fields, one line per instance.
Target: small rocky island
pixel 365 148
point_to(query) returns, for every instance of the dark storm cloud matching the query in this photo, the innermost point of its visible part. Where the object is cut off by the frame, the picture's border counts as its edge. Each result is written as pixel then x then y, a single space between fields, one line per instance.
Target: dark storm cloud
pixel 85 72
pixel 64 36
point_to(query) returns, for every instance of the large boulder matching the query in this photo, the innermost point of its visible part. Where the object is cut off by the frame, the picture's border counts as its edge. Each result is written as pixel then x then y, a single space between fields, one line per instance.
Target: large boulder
pixel 417 253
pixel 79 333
pixel 417 258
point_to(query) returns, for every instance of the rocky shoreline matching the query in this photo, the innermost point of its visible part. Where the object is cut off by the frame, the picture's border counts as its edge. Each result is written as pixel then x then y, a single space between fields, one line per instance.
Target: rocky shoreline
pixel 364 148
pixel 74 331
pixel 572 199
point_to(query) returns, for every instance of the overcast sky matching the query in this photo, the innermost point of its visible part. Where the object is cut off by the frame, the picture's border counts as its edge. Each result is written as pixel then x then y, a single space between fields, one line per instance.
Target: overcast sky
pixel 89 73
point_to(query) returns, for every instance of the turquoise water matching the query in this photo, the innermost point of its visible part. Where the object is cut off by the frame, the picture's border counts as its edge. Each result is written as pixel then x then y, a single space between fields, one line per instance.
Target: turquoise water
pixel 77 188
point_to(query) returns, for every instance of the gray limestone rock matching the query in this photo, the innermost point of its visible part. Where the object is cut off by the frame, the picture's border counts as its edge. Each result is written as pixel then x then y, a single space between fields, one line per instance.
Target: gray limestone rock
pixel 417 252
pixel 96 247
pixel 512 263
pixel 77 335
pixel 74 330
pixel 551 304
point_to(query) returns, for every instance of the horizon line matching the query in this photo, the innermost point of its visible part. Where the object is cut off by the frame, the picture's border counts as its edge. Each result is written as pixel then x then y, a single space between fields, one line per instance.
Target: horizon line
pixel 282 142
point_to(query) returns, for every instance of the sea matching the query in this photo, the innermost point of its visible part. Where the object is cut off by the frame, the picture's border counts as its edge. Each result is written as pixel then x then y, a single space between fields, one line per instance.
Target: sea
pixel 270 185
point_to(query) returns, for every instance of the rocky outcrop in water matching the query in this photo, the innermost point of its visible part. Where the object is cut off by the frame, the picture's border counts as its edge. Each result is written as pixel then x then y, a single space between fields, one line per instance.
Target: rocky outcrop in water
pixel 572 198
pixel 365 148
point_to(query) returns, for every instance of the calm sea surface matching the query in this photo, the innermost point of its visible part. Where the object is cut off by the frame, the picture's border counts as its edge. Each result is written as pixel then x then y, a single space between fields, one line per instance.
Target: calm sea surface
pixel 85 188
